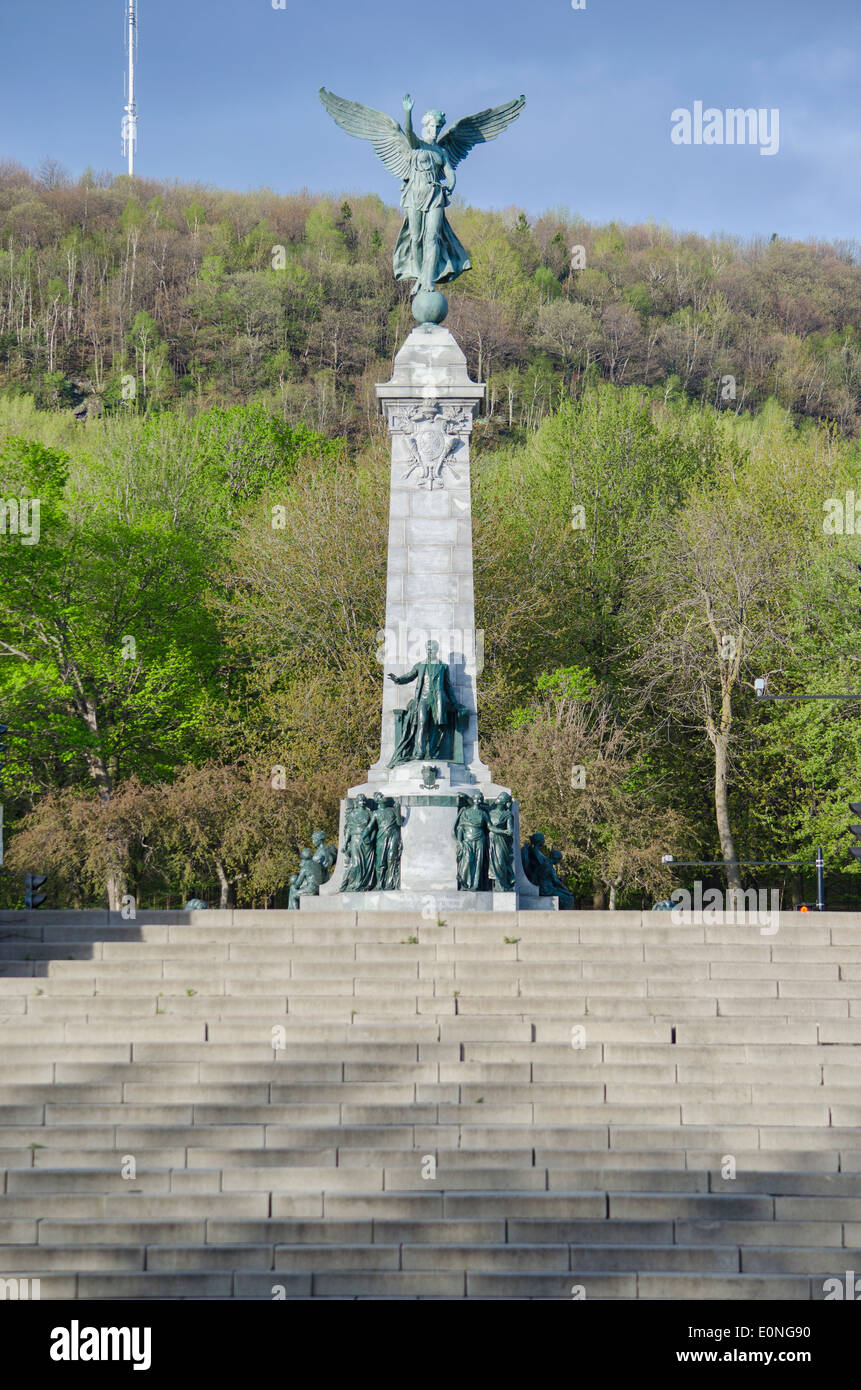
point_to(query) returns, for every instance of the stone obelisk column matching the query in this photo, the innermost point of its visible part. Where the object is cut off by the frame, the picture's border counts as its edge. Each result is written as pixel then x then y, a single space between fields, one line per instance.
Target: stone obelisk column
pixel 429 404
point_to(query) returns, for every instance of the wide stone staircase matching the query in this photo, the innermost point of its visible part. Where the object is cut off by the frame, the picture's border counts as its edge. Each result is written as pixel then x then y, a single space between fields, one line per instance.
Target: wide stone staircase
pixel 270 1105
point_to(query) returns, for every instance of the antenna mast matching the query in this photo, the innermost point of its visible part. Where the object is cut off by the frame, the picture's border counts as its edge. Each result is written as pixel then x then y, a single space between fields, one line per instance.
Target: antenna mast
pixel 130 119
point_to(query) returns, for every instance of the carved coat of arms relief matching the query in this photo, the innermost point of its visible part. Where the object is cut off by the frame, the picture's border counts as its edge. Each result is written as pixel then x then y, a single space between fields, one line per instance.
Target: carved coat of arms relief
pixel 434 434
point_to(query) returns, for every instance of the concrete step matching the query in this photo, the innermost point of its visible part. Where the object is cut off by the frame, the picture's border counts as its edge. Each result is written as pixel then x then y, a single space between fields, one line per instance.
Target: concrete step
pixel 597 1165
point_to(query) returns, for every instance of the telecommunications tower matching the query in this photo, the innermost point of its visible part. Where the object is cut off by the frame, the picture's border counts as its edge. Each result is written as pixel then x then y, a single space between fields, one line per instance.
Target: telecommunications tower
pixel 130 118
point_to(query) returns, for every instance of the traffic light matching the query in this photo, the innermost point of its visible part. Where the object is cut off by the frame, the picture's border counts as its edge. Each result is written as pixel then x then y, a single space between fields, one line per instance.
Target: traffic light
pixel 855 830
pixel 32 897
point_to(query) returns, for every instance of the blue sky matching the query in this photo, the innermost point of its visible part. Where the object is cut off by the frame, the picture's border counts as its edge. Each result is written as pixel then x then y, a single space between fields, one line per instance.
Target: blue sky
pixel 228 96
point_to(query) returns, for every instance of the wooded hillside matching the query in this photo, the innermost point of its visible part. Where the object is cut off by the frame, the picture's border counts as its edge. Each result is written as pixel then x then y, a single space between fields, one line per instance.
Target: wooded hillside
pixel 214 296
pixel 189 651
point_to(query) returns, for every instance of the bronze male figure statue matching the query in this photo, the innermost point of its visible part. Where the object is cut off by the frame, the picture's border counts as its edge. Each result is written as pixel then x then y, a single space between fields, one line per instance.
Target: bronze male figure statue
pixel 427 727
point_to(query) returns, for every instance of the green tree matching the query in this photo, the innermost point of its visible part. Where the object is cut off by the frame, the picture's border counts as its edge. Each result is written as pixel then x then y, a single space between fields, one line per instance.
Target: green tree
pixel 103 626
pixel 582 778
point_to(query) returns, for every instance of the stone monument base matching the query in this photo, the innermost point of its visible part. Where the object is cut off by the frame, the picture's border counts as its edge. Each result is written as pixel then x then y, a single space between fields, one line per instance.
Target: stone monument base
pixel 379 900
pixel 428 867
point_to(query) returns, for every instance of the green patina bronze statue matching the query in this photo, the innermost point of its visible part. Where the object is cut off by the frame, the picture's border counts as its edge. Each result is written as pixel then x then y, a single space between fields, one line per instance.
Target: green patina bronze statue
pixel 501 817
pixel 427 726
pixel 325 855
pixel 372 844
pixel 540 869
pixel 427 250
pixel 471 831
pixel 359 836
pixel 388 820
pixel 305 884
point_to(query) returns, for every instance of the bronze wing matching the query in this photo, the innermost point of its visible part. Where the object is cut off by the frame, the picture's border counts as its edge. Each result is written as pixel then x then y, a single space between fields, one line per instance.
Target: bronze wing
pixel 384 133
pixel 460 138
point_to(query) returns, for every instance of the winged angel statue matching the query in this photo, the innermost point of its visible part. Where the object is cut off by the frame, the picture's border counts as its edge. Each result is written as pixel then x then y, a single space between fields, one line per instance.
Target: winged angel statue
pixel 427 250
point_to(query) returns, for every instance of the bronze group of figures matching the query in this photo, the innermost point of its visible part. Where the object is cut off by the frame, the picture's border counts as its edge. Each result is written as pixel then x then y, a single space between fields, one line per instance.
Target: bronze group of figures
pixel 484 831
pixel 540 869
pixel 372 844
pixel 315 868
pixel 484 835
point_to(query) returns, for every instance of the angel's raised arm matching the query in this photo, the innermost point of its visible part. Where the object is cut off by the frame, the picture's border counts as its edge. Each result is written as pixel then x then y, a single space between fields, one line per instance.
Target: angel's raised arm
pixel 384 133
pixel 408 121
pixel 465 134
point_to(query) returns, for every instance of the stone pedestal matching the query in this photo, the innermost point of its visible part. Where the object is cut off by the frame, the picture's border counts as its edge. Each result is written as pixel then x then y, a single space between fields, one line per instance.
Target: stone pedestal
pixel 430 404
